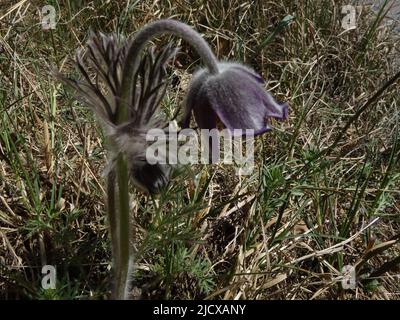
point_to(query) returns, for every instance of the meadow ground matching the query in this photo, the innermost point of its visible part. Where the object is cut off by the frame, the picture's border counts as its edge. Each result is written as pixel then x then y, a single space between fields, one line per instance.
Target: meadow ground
pixel 325 193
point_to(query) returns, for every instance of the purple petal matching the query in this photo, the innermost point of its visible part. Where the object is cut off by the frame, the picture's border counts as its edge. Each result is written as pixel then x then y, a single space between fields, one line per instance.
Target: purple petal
pixel 205 116
pixel 277 110
pixel 240 67
pixel 197 102
pixel 150 178
pixel 241 103
pixel 207 119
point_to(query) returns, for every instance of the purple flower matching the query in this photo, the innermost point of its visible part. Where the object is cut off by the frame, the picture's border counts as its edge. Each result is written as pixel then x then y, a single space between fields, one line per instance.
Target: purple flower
pixel 235 96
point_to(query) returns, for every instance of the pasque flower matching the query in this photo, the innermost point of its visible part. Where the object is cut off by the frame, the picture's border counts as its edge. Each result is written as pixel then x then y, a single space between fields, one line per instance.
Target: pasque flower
pixel 235 96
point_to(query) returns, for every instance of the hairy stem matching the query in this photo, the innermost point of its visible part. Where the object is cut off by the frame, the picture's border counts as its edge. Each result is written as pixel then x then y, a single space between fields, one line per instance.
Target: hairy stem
pixel 113 221
pixel 123 263
pixel 147 33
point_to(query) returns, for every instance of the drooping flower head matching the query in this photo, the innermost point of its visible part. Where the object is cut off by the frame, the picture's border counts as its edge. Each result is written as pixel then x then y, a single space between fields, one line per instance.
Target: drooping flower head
pixel 235 96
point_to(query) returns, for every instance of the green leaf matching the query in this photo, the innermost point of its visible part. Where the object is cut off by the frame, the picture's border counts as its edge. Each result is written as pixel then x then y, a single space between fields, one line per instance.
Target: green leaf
pixel 278 29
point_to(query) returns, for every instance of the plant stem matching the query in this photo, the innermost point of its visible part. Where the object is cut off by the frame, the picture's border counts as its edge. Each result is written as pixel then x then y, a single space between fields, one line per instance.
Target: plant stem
pixel 151 30
pixel 113 219
pixel 123 264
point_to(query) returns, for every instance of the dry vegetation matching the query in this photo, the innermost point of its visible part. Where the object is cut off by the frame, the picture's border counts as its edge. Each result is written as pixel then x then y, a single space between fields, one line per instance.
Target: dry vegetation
pixel 321 197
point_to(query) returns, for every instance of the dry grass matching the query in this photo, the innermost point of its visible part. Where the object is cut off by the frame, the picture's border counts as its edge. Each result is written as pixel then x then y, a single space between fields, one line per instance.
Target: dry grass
pixel 283 233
